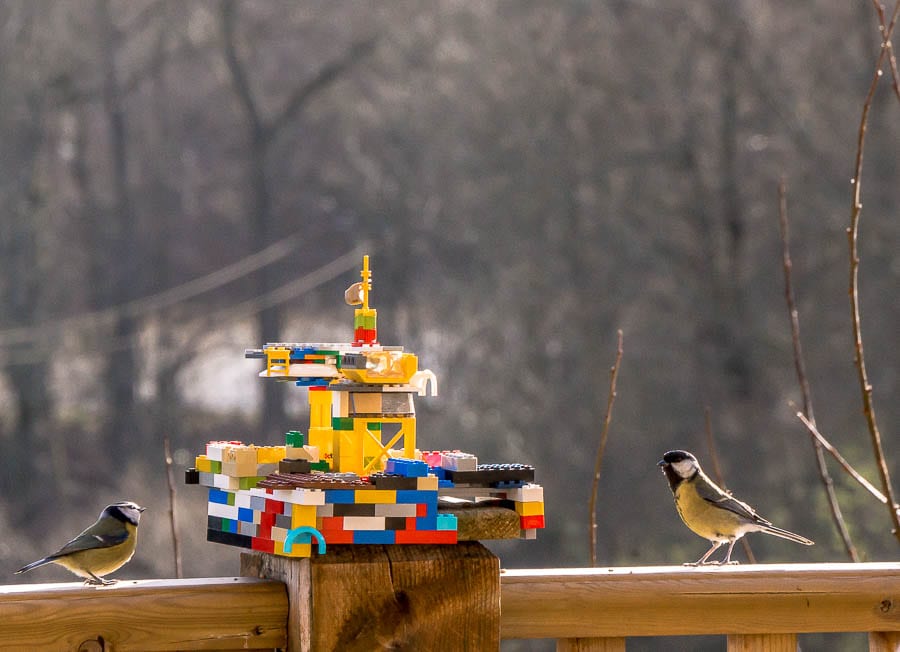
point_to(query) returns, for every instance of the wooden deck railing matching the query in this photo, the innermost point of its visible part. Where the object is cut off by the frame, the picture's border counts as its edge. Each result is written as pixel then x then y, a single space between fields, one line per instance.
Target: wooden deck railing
pixel 760 607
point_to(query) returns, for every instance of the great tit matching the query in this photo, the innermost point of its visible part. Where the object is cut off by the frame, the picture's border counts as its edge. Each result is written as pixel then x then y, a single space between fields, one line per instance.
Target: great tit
pixel 104 547
pixel 711 512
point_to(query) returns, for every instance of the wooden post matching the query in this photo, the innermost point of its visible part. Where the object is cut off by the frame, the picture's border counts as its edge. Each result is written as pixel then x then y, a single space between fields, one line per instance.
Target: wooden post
pixel 884 641
pixel 402 597
pixel 590 645
pixel 762 643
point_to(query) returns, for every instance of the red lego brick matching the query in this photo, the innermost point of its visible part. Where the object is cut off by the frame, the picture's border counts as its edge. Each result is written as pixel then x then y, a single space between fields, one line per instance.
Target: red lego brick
pixel 265 531
pixel 274 506
pixel 334 537
pixel 332 523
pixel 421 509
pixel 429 536
pixel 535 522
pixel 263 545
pixel 411 523
pixel 267 519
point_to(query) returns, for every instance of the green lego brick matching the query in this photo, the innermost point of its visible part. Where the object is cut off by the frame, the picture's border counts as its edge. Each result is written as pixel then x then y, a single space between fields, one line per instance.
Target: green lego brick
pixel 375 427
pixel 295 438
pixel 250 482
pixel 215 467
pixel 342 423
pixel 319 466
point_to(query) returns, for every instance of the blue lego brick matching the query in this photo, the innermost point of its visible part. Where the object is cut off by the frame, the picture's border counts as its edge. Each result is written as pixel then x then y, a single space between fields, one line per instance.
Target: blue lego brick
pixel 445 484
pixel 229 525
pixel 312 382
pixel 407 496
pixel 407 468
pixel 245 514
pixel 374 536
pixel 426 522
pixel 446 522
pixel 440 472
pixel 337 496
pixel 220 497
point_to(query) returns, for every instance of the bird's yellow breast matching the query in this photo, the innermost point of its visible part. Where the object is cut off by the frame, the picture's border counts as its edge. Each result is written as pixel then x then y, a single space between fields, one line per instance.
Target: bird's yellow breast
pixel 101 561
pixel 704 518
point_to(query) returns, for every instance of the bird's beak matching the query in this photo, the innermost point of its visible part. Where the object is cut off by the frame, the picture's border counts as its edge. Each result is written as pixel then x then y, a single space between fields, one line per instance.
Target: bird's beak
pixel 141 509
pixel 661 463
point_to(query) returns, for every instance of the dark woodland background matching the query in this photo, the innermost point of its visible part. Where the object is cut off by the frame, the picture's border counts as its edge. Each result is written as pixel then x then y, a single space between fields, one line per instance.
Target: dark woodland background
pixel 528 178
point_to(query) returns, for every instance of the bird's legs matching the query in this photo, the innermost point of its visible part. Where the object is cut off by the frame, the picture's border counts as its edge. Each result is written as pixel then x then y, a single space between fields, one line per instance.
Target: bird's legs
pixel 702 560
pixel 95 580
pixel 728 556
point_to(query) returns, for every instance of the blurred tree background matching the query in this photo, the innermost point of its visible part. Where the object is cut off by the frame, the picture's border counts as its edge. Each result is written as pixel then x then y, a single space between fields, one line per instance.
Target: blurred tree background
pixel 181 180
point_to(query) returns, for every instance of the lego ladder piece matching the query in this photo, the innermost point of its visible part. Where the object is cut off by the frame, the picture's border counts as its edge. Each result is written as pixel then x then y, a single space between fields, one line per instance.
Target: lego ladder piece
pixel 371 595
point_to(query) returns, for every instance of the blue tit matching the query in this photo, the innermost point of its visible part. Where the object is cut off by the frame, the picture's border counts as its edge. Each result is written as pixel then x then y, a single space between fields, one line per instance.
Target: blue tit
pixel 102 548
pixel 711 512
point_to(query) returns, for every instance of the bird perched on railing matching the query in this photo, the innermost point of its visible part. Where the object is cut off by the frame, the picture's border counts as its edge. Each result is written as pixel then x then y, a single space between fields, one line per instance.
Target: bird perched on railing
pixel 102 548
pixel 709 511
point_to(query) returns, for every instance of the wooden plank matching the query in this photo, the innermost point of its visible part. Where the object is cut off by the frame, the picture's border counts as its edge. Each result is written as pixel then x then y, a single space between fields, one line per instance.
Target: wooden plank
pixel 884 641
pixel 762 643
pixel 677 600
pixel 590 645
pixel 227 613
pixel 411 597
pixel 483 522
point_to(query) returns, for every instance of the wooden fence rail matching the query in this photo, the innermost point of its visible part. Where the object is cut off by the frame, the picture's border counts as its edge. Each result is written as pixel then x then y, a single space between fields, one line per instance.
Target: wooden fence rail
pixel 760 607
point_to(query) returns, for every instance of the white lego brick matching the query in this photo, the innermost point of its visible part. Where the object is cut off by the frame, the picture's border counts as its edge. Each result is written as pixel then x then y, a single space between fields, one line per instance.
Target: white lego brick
pixel 364 522
pixel 528 534
pixel 530 493
pixel 223 511
pixel 243 499
pixel 304 497
pixel 458 461
pixel 215 450
pixel 206 479
pixel 221 481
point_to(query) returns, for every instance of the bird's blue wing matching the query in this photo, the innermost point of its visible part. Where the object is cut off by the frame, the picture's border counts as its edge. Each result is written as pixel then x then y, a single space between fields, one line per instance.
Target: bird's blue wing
pixel 87 541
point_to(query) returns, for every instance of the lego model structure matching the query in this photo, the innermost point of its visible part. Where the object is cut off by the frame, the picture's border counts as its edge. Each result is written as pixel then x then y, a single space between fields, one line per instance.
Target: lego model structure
pixel 357 475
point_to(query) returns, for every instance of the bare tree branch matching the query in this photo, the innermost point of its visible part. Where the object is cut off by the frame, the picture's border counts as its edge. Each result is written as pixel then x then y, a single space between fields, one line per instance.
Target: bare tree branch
pixel 604 433
pixel 236 69
pixel 325 77
pixel 887 46
pixel 852 238
pixel 720 478
pixel 853 473
pixel 800 367
pixel 170 479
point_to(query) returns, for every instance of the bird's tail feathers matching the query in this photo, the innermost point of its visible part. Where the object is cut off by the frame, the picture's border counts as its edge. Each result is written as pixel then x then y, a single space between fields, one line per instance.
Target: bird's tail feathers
pixel 784 534
pixel 35 564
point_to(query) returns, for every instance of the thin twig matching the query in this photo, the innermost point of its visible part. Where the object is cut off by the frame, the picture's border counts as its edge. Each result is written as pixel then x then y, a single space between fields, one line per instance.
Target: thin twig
pixel 610 400
pixel 852 238
pixel 170 478
pixel 720 478
pixel 853 473
pixel 800 368
pixel 886 44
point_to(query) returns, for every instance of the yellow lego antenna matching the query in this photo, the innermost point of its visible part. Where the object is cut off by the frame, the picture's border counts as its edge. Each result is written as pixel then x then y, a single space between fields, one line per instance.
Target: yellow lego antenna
pixel 366 281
